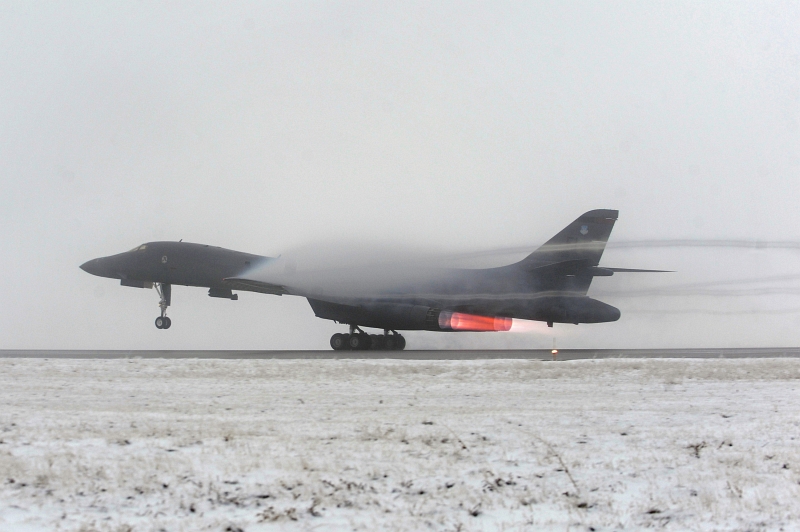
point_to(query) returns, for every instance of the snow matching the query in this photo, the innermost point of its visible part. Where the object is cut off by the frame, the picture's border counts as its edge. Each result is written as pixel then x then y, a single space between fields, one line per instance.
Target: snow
pixel 156 444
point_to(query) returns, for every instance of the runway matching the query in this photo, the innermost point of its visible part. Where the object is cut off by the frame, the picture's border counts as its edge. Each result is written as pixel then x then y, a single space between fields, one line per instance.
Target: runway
pixel 495 354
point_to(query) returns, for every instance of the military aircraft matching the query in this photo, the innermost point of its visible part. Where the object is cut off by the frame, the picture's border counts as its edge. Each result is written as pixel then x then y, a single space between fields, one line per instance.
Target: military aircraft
pixel 549 285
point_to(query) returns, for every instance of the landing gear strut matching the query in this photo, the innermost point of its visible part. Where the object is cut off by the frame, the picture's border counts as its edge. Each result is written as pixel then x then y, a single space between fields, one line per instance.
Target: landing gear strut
pixel 165 294
pixel 358 340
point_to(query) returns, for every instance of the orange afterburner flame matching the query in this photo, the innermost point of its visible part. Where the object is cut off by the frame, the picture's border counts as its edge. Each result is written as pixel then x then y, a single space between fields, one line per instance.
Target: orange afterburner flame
pixel 458 321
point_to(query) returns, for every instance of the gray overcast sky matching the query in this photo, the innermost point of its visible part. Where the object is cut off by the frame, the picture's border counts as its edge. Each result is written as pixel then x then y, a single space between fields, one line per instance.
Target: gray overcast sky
pixel 455 126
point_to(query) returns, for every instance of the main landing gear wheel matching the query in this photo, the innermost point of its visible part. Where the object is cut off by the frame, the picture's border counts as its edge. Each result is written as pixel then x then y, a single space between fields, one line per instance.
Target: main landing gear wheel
pixel 394 342
pixel 163 322
pixel 358 340
pixel 338 341
pixel 378 341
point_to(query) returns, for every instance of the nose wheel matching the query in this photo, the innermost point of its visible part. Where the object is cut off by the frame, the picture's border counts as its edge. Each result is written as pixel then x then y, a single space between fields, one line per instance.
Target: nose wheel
pixel 358 340
pixel 164 291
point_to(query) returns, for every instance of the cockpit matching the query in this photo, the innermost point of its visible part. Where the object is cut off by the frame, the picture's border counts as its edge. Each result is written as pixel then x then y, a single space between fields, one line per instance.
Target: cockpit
pixel 138 248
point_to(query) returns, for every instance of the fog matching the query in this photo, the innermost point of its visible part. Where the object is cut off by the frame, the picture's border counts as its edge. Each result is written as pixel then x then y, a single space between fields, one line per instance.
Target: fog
pixel 471 132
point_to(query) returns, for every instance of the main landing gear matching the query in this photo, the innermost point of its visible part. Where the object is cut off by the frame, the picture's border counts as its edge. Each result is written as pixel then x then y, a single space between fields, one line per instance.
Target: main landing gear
pixel 165 294
pixel 358 340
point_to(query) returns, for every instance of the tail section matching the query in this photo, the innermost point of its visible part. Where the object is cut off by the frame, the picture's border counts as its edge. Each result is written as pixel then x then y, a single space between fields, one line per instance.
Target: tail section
pixel 581 243
pixel 568 261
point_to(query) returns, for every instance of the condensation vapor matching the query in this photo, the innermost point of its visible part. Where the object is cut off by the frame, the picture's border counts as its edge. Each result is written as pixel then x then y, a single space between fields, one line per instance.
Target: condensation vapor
pixel 378 270
pixel 351 269
pixel 758 290
pixel 721 288
pixel 789 245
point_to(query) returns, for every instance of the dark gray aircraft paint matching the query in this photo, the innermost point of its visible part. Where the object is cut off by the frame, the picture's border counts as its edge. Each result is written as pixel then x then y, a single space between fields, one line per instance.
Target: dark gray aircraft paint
pixel 549 285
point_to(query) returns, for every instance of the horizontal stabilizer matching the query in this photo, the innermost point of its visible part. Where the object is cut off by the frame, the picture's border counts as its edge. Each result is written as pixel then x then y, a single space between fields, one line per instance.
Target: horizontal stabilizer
pixel 582 267
pixel 634 270
pixel 250 285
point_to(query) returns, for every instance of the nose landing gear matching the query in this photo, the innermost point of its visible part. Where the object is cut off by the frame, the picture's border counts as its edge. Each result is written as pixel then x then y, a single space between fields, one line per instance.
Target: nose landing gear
pixel 165 296
pixel 358 340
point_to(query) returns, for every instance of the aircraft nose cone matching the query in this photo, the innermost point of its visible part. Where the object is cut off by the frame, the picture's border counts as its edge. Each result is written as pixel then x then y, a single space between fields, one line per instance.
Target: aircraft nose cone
pixel 91 266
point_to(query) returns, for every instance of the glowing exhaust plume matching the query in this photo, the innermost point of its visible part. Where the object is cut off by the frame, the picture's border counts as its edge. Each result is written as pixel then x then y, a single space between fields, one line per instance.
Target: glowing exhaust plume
pixel 459 321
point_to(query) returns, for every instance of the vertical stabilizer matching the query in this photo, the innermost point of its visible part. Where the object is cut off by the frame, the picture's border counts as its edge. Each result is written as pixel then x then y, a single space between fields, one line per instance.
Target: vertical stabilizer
pixel 584 239
pixel 566 257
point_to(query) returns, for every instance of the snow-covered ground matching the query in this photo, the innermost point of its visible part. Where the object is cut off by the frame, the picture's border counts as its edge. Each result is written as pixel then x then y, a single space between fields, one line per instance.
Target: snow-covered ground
pixel 399 445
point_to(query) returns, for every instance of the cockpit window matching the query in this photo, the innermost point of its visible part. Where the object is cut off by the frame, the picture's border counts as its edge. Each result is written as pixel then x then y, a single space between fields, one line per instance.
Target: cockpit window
pixel 139 248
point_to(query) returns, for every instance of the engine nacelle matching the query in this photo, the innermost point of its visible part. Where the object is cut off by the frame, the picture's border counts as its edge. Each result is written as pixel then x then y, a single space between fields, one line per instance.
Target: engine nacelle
pixel 401 316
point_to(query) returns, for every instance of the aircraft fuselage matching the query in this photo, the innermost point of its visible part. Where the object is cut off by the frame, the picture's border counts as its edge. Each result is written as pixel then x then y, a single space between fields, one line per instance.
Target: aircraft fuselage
pixel 549 285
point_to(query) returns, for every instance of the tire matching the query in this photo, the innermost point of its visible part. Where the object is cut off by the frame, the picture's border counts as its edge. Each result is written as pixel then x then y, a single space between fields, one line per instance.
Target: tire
pixel 401 343
pixel 159 322
pixel 337 342
pixel 367 340
pixel 389 342
pixel 377 341
pixel 355 342
pixel 167 322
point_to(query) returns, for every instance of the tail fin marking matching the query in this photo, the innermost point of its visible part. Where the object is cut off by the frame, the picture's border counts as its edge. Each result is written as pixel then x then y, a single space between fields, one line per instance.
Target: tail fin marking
pixel 582 240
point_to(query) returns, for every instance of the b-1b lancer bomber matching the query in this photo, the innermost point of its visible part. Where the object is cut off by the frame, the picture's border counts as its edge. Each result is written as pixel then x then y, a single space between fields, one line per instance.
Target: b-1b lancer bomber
pixel 549 285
